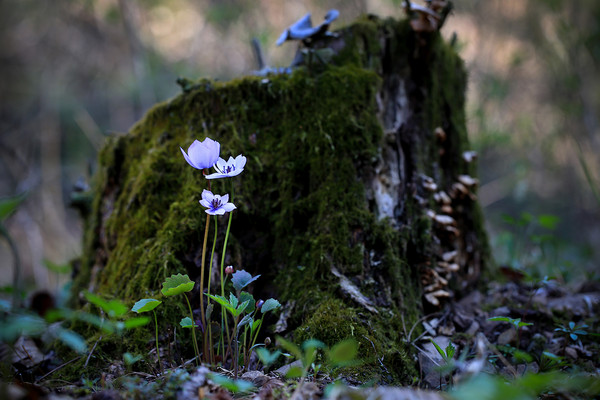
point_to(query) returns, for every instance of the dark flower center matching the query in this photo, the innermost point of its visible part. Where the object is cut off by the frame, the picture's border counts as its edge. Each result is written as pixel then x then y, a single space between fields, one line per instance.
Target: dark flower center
pixel 216 203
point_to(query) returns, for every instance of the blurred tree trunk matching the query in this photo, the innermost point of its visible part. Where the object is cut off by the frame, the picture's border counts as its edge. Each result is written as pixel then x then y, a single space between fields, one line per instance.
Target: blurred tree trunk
pixel 356 206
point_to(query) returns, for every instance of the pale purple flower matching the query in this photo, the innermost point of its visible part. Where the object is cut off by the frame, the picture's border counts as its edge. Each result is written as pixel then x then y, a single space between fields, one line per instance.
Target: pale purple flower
pixel 202 155
pixel 215 204
pixel 229 168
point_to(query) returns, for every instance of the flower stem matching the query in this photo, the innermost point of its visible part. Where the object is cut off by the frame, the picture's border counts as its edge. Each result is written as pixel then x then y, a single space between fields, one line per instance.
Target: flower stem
pixel 223 315
pixel 208 329
pixel 193 331
pixel 156 331
pixel 206 228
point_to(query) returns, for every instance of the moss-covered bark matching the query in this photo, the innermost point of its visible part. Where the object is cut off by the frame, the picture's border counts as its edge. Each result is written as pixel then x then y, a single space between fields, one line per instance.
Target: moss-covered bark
pixel 329 147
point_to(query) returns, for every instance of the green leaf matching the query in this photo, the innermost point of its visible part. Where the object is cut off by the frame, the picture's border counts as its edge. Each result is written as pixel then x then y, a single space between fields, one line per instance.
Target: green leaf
pixel 241 279
pixel 114 308
pixel 58 268
pixel 256 324
pixel 145 305
pixel 266 357
pixel 252 303
pixel 233 300
pixel 548 221
pixel 233 385
pixel 8 205
pixel 95 320
pixel 222 301
pixel 290 347
pixel 136 322
pixel 310 347
pixel 343 353
pixel 294 372
pixel 177 284
pixel 438 348
pixel 241 308
pixel 502 319
pixel 186 322
pixel 131 359
pixel 270 304
pixel 450 349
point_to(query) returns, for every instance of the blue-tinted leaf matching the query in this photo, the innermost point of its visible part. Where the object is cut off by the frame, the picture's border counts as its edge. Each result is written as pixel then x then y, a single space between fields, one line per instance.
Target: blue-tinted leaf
pixel 186 322
pixel 241 279
pixel 72 339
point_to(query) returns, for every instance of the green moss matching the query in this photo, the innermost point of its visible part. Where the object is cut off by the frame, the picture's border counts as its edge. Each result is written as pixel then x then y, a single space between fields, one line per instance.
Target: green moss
pixel 312 139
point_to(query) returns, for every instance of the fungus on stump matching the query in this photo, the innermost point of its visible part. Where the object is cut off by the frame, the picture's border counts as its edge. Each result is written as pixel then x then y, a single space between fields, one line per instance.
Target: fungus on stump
pixel 356 204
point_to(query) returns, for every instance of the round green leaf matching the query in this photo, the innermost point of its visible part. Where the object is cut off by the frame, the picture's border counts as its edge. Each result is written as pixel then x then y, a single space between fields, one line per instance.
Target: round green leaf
pixel 186 322
pixel 269 305
pixel 177 284
pixel 145 305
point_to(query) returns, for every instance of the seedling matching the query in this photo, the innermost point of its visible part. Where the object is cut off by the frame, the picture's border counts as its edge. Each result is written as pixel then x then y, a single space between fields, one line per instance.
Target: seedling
pixel 573 330
pixel 149 305
pixel 516 323
pixel 341 355
pixel 179 284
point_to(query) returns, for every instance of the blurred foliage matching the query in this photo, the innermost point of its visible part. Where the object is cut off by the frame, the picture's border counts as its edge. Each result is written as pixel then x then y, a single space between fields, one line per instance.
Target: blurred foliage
pixel 74 71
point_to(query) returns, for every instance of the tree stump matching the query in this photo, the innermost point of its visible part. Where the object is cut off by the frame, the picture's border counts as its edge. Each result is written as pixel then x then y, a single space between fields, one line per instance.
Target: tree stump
pixel 357 205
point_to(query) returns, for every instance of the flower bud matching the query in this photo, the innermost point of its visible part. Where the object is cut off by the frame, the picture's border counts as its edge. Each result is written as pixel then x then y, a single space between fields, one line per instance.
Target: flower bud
pixel 267 341
pixel 259 304
pixel 229 270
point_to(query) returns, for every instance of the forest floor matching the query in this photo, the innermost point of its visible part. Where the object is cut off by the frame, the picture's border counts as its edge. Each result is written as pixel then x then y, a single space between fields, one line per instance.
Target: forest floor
pixel 515 340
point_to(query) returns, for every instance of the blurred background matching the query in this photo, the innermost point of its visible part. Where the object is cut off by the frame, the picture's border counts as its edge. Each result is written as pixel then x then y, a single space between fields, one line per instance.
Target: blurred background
pixel 73 72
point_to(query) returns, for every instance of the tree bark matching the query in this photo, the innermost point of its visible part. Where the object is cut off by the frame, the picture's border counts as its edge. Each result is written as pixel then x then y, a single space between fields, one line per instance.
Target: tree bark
pixel 357 205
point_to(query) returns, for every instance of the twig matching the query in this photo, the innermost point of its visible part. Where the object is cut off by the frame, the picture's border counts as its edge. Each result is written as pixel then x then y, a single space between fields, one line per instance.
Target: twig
pixel 90 355
pixel 56 369
pixel 423 318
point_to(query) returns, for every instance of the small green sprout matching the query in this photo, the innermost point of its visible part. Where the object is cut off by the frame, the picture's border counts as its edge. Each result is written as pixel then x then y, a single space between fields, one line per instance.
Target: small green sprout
pixel 447 356
pixel 573 330
pixel 180 284
pixel 514 322
pixel 341 355
pixel 149 305
pixel 115 310
pixel 130 359
pixel 267 357
pixel 233 385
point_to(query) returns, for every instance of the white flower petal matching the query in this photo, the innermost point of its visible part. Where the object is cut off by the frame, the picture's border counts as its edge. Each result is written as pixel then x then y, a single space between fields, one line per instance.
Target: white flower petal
pixel 240 162
pixel 204 203
pixel 228 207
pixel 216 175
pixel 208 195
pixel 225 199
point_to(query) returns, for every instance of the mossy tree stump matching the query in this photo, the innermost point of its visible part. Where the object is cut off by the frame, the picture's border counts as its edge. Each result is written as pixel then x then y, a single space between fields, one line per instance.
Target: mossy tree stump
pixel 340 207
